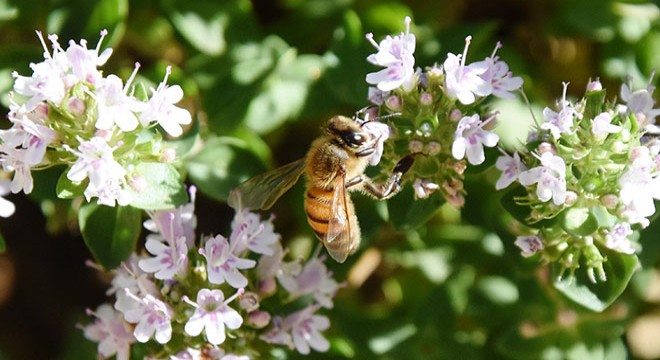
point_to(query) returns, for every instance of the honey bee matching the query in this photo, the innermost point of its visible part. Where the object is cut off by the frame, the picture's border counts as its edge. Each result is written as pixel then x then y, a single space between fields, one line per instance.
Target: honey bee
pixel 334 164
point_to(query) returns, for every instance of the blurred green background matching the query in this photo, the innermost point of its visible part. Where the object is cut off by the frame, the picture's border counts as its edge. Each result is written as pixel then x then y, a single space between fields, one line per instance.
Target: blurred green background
pixel 261 78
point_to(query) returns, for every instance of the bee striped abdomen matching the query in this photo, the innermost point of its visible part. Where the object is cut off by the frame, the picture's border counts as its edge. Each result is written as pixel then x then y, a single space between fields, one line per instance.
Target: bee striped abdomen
pixel 318 204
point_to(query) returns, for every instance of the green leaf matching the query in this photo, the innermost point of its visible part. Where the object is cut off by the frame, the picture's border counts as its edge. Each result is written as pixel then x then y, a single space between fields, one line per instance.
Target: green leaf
pixel 110 15
pixel 619 268
pixel 3 244
pixel 222 165
pixel 406 212
pixel 110 233
pixel 204 29
pixel 163 188
pixel 184 144
pixel 578 221
pixel 67 189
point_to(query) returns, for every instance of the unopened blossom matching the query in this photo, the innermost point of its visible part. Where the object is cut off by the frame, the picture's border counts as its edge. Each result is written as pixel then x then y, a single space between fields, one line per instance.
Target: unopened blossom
pixel 106 175
pixel 300 330
pixel 529 245
pixel 249 232
pixel 212 314
pixel 315 279
pixel 153 318
pixel 465 82
pixel 113 334
pixel 161 109
pixel 561 122
pixel 497 74
pixel 550 178
pixel 470 139
pixel 222 265
pixel 424 188
pixel 617 238
pixel 602 125
pixel 640 103
pixel 169 259
pixel 511 167
pixel 396 55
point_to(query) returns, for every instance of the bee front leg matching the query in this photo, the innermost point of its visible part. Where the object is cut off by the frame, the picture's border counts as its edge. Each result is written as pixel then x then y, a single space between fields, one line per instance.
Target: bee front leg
pixel 383 191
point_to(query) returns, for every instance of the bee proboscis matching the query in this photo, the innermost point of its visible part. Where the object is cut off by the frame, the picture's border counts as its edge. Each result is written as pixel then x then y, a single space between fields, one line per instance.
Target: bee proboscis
pixel 334 164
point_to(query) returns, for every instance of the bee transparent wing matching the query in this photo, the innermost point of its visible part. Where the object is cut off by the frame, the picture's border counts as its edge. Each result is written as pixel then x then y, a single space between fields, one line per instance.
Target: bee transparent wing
pixel 338 238
pixel 261 191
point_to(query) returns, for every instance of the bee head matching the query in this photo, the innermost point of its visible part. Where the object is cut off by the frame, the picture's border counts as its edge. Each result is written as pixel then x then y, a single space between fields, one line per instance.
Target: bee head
pixel 348 132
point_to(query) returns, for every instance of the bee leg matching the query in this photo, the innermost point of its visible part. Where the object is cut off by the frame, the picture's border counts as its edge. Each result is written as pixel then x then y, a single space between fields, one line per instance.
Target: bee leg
pixel 390 187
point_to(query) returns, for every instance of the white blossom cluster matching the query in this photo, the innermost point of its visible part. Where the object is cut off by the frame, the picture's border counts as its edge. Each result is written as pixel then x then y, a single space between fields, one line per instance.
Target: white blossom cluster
pixel 187 299
pixel 443 99
pixel 69 112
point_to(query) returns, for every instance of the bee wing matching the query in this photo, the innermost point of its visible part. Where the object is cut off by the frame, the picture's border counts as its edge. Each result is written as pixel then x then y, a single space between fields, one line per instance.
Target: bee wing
pixel 338 238
pixel 261 191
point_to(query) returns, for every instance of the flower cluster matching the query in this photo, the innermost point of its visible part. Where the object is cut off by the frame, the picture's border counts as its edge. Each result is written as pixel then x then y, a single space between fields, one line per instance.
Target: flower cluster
pixel 68 112
pixel 183 299
pixel 440 111
pixel 588 176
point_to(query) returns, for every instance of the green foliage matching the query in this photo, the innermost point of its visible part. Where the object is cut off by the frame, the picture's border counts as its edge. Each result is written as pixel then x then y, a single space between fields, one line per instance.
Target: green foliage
pixel 110 233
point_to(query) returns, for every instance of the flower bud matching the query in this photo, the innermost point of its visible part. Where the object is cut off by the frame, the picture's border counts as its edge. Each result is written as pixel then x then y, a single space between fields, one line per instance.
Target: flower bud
pixel 459 167
pixel 393 103
pixel 610 201
pixel 76 106
pixel 168 155
pixel 249 301
pixel 571 197
pixel 103 134
pixel 426 99
pixel 456 201
pixel 455 115
pixel 267 287
pixel 594 85
pixel 258 319
pixel 415 146
pixel 433 148
pixel 545 147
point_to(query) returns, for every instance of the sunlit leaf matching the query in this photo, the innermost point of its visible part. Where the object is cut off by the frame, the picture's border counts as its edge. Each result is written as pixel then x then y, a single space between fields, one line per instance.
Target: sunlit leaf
pixel 619 268
pixel 67 189
pixel 205 34
pixel 110 233
pixel 222 165
pixel 160 186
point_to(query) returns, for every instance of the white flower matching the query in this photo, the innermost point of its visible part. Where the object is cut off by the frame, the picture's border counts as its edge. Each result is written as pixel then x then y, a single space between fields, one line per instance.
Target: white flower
pixel 529 245
pixel 300 330
pixel 465 82
pixel 161 109
pixel 114 106
pixel 271 267
pixel 153 316
pixel 470 138
pixel 172 224
pixel 602 125
pixel 84 62
pixel 640 103
pixel 561 122
pixel 222 265
pixel 640 185
pixel 497 74
pixel 379 132
pixel 212 314
pixel 7 208
pixel 249 232
pixel 617 238
pixel 315 279
pixel 106 175
pixel 139 283
pixel 377 96
pixel 111 332
pixel 396 55
pixel 550 178
pixel 170 258
pixel 511 167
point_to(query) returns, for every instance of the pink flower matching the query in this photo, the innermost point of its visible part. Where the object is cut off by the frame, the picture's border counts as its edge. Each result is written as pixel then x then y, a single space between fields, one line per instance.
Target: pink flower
pixel 315 279
pixel 249 232
pixel 497 74
pixel 561 122
pixel 222 265
pixel 300 330
pixel 161 109
pixel 511 167
pixel 550 178
pixel 170 258
pixel 617 238
pixel 470 139
pixel 129 276
pixel 529 245
pixel 111 332
pixel 396 55
pixel 212 314
pixel 153 317
pixel 172 224
pixel 465 82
